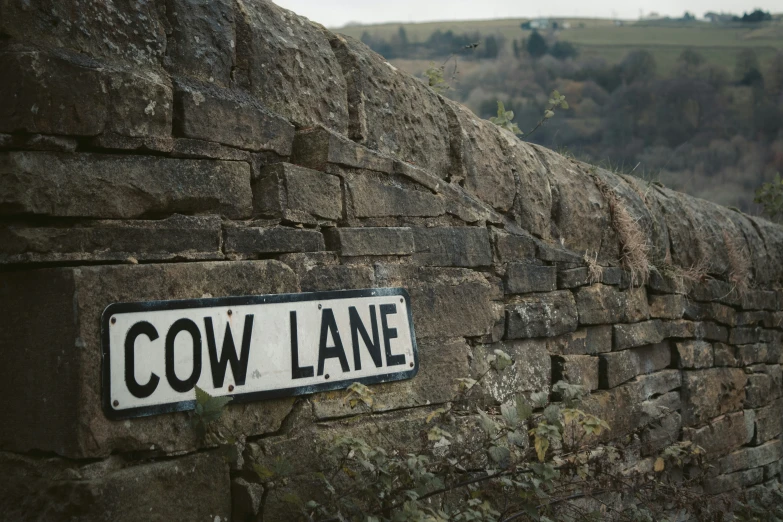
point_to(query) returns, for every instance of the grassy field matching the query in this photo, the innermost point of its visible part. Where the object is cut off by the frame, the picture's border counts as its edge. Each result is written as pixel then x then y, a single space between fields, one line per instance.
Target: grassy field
pixel 601 37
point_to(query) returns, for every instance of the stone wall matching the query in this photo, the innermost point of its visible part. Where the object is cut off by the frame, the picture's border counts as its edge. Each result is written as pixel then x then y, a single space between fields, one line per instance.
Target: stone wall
pixel 182 149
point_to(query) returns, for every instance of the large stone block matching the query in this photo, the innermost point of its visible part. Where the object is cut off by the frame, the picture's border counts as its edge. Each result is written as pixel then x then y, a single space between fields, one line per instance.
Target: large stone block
pixel 543 315
pixel 193 487
pixel 374 197
pixel 600 304
pixel 447 302
pixel 638 334
pixel 253 241
pixel 724 434
pixel 286 63
pixel 479 157
pixel 337 277
pixel 452 246
pixel 371 241
pixel 733 481
pixel 752 457
pixel 121 187
pixel 318 147
pixel 588 340
pixel 297 194
pixel 618 367
pixel 178 237
pixel 230 117
pixel 513 247
pixel 531 370
pixel 52 317
pixel 758 390
pixel 390 111
pixel 671 306
pixel 769 422
pixel 694 354
pixel 576 369
pixel 523 278
pixel 658 383
pixel 660 434
pixel 202 40
pixel 62 93
pixel 712 392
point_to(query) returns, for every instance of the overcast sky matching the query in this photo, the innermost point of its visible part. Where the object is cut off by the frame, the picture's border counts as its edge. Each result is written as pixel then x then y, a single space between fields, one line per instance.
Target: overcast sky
pixel 338 13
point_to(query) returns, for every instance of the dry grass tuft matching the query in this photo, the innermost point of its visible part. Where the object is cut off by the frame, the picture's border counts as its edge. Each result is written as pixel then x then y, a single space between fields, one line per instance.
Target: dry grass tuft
pixel 739 263
pixel 633 240
pixel 595 272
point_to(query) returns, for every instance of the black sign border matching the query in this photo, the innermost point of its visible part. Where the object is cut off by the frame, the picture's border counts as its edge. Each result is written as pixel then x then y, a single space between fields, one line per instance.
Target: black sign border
pixel 149 306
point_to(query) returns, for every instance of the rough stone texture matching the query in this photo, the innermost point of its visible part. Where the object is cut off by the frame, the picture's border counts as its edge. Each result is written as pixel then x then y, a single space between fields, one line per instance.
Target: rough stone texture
pixel 523 278
pixel 291 192
pixel 723 434
pixel 637 334
pixel 660 434
pixel 618 367
pixel 576 369
pixel 371 241
pixel 712 392
pixel 544 315
pixel 769 422
pixel 374 197
pixel 753 457
pixel 600 304
pixel 120 187
pixel 390 111
pixel 177 237
pixel 208 113
pixel 452 246
pixel 193 487
pixel 286 63
pixel 254 241
pixel 667 306
pixel 513 247
pixel 65 415
pixel 758 390
pixel 340 277
pixel 588 340
pixel 318 147
pixel 694 354
pixel 530 372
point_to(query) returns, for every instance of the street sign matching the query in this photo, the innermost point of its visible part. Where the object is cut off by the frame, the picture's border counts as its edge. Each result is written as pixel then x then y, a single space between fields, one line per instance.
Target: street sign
pixel 254 347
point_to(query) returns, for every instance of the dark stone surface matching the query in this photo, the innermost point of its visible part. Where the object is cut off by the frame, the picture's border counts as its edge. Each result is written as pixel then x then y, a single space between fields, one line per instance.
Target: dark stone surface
pixel 723 434
pixel 544 315
pixel 121 187
pixel 711 392
pixel 522 278
pixel 694 354
pixel 371 241
pixel 296 193
pixel 374 197
pixel 315 148
pixel 667 306
pixel 638 334
pixel 452 246
pixel 576 369
pixel 255 241
pixel 178 237
pixel 588 340
pixel 618 367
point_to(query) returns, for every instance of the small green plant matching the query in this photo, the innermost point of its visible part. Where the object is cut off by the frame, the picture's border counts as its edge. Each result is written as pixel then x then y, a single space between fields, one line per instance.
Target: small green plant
pixel 770 197
pixel 435 78
pixel 504 117
pixel 208 410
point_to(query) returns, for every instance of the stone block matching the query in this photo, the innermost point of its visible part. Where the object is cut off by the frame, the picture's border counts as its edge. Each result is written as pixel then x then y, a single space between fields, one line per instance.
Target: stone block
pixel 544 315
pixel 285 61
pixel 530 372
pixel 193 487
pixel 576 369
pixel 439 298
pixel 618 367
pixel 660 434
pixel 758 390
pixel 64 415
pixel 658 383
pixel 523 278
pixel 711 392
pixel 337 277
pixel 373 197
pixel 752 457
pixel 755 318
pixel 202 40
pixel 318 147
pixel 206 112
pixel 769 422
pixel 177 237
pixel 636 307
pixel 694 354
pixel 758 299
pixel 390 111
pixel 600 304
pixel 121 187
pixel 588 340
pixel 288 191
pixel 573 277
pixel 733 481
pixel 717 312
pixel 744 335
pixel 723 434
pixel 252 241
pixel 748 354
pixel 670 306
pixel 724 355
pixel 714 332
pixel 637 334
pixel 452 246
pixel 513 247
pixel 371 241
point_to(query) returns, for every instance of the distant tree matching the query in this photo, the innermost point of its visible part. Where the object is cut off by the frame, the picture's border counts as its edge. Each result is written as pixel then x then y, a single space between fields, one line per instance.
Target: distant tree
pixel 563 50
pixel 536 45
pixel 638 65
pixel 747 69
pixel 691 58
pixel 525 26
pixel 491 48
pixel 756 16
pixel 688 17
pixel 516 47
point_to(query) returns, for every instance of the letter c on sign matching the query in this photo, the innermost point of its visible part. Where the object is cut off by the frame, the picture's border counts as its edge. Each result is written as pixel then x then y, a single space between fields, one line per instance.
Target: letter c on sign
pixel 138 390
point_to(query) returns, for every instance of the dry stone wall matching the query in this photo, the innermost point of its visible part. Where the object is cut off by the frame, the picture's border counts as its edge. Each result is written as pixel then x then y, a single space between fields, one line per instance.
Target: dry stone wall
pixel 183 149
